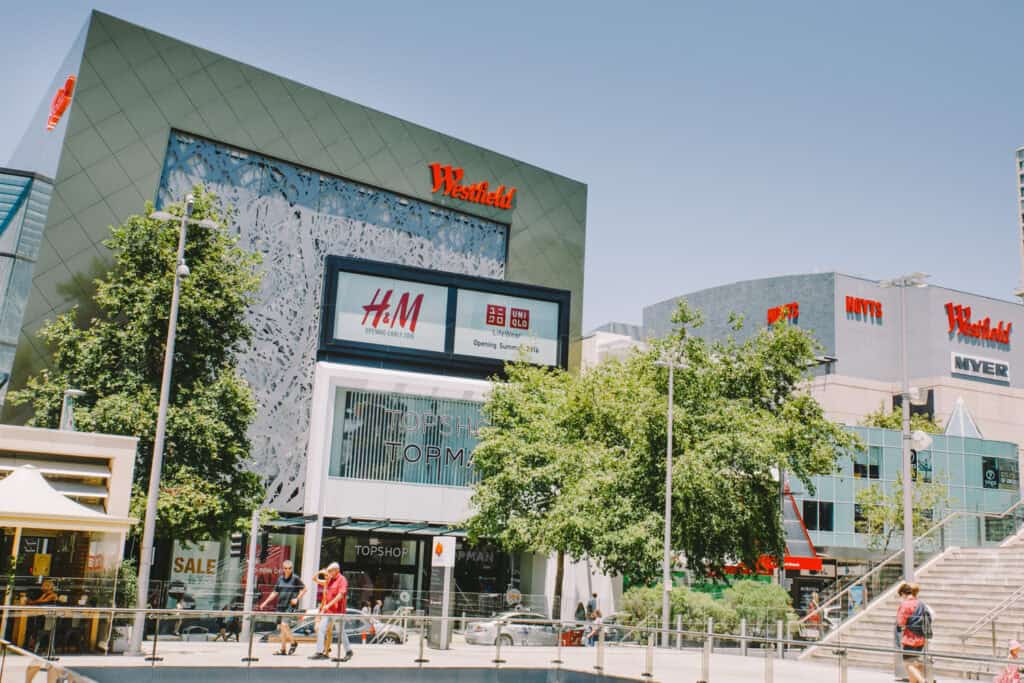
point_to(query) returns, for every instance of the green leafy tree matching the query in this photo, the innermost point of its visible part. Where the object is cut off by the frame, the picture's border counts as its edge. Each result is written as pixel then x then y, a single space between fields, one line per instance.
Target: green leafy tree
pixel 760 603
pixel 894 420
pixel 575 464
pixel 642 606
pixel 117 360
pixel 881 512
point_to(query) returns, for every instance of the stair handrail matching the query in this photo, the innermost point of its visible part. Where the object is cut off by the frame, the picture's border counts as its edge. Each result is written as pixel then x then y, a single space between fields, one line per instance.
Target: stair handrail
pixel 993 613
pixel 899 553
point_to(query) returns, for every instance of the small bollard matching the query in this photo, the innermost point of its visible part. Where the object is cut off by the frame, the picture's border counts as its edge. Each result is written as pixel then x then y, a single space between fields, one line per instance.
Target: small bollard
pixel 780 646
pixel 248 658
pixel 705 660
pixel 843 666
pixel 769 667
pixel 156 636
pixel 599 665
pixel 679 631
pixel 421 660
pixel 558 644
pixel 649 657
pixel 339 658
pixel 497 648
pixel 743 637
pixel 711 633
pixel 50 657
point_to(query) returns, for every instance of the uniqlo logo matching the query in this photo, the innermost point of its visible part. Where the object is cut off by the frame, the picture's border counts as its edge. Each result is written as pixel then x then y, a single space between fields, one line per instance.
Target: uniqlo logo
pixel 496 315
pixel 520 319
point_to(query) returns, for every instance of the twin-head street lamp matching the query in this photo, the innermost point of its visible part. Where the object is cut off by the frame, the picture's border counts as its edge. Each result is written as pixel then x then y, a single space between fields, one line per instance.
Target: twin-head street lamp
pixel 146 553
pixel 902 282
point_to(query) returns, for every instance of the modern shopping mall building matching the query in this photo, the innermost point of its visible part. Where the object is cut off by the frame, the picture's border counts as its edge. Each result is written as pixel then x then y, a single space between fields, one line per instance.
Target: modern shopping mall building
pixel 401 268
pixel 963 360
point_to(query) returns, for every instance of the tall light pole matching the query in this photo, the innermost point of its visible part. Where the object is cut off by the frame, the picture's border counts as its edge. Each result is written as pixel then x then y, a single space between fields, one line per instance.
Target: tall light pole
pixel 149 527
pixel 669 360
pixel 67 409
pixel 902 282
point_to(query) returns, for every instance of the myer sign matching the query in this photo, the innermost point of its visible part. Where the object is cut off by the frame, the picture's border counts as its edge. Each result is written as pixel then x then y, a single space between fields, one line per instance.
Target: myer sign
pixel 974 367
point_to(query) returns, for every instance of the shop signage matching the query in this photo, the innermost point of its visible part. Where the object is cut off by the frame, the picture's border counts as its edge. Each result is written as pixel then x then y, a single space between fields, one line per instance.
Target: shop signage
pixel 503 327
pixel 864 307
pixel 60 103
pixel 1000 473
pixel 195 567
pixel 960 322
pixel 790 311
pixel 443 551
pixel 379 310
pixel 448 181
pixel 974 367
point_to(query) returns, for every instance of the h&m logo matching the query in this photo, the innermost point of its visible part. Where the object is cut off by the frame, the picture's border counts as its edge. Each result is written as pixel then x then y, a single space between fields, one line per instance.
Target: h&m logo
pixel 405 315
pixel 448 180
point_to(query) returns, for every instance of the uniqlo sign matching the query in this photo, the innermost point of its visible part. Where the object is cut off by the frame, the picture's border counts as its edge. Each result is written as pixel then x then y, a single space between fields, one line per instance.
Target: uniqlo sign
pixel 506 327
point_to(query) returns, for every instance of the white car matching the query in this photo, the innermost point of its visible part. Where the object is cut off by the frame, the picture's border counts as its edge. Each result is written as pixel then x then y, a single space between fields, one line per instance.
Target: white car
pixel 517 628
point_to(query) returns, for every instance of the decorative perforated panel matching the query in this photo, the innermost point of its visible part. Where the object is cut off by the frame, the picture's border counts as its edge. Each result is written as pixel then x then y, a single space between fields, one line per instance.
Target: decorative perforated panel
pixel 295 217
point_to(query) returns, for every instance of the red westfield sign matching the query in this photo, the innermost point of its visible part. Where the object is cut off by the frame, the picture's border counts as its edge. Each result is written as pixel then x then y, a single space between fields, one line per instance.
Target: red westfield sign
pixel 60 103
pixel 448 181
pixel 406 315
pixel 960 321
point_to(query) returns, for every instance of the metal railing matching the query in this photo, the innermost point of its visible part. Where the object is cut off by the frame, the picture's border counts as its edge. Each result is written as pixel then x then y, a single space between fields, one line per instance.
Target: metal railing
pixel 953 530
pixel 37 664
pixel 994 613
pixel 500 644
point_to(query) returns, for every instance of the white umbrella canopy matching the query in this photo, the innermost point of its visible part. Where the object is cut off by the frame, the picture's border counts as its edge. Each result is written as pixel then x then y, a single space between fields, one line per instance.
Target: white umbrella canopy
pixel 28 500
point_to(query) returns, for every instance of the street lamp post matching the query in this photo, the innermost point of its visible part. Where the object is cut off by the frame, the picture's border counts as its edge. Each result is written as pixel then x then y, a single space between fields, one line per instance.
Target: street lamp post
pixel 149 527
pixel 902 282
pixel 668 360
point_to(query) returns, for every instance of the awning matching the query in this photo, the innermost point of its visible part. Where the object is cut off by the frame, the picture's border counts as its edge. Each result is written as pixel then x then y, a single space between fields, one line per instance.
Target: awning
pixel 386 526
pixel 28 500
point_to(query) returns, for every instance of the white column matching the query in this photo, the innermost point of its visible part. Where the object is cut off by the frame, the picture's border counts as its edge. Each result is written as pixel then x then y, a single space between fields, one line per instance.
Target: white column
pixel 317 464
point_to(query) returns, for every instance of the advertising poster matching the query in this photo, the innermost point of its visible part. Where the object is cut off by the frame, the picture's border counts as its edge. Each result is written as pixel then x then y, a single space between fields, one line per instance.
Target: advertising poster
pixel 989 473
pixel 506 328
pixel 378 310
pixel 196 566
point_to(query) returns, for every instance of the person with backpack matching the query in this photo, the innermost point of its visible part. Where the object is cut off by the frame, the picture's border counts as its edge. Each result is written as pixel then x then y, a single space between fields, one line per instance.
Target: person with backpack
pixel 1011 674
pixel 914 623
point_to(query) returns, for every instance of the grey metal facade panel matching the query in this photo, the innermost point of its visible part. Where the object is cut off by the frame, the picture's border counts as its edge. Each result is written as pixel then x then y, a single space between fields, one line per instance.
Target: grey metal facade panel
pixel 815 294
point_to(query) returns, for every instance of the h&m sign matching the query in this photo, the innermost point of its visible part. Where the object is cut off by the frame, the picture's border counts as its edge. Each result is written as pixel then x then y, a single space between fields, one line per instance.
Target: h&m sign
pixel 973 367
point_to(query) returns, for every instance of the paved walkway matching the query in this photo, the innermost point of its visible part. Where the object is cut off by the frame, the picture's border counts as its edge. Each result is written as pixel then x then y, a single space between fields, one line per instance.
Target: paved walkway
pixel 625 662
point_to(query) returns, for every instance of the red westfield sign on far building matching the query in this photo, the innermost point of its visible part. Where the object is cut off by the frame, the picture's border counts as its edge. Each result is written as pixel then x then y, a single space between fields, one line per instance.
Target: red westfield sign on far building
pixel 960 322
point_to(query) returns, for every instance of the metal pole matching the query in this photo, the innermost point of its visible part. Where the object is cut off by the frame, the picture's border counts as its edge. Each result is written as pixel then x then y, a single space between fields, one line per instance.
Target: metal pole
pixel 497 647
pixel 666 569
pixel 248 658
pixel 743 636
pixel 9 593
pixel 421 660
pixel 705 660
pixel 778 635
pixel 648 671
pixel 843 667
pixel 156 636
pixel 558 652
pixel 908 485
pixel 149 528
pixel 599 666
pixel 250 572
pixel 679 631
pixel 711 633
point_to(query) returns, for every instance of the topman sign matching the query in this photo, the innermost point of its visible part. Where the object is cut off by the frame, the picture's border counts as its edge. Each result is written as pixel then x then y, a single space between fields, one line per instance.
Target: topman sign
pixel 973 367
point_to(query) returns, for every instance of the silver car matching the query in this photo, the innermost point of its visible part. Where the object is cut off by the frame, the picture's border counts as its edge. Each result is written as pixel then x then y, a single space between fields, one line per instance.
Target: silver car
pixel 516 629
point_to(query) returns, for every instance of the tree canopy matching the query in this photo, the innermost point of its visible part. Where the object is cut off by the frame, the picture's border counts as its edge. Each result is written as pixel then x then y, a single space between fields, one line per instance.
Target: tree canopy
pixel 894 420
pixel 117 360
pixel 576 463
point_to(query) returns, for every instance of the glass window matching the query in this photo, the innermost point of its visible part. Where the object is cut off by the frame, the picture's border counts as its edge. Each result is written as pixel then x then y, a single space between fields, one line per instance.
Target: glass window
pixel 868 465
pixel 819 516
pixel 921 464
pixel 811 514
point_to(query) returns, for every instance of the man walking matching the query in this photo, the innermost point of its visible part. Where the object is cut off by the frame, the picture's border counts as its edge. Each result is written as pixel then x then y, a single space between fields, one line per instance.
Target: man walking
pixel 913 621
pixel 288 590
pixel 335 593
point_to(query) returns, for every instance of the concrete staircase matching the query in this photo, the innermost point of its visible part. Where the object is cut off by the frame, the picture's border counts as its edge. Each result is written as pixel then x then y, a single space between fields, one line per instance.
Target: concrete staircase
pixel 961 585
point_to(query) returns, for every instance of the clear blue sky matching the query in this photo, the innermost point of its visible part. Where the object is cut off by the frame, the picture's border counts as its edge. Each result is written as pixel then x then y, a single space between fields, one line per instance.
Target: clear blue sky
pixel 720 141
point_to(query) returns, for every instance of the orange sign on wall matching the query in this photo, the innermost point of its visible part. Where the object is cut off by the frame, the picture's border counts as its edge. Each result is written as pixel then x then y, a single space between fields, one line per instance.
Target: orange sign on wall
pixel 448 181
pixel 61 101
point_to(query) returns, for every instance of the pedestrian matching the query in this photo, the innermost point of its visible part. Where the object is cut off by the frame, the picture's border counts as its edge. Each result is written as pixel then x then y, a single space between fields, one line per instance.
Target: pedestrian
pixel 335 592
pixel 913 621
pixel 288 590
pixel 1011 674
pixel 366 610
pixel 596 624
pixel 377 607
pixel 591 606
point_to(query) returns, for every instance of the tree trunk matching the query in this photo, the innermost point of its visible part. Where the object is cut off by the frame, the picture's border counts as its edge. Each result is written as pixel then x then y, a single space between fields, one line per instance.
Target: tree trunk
pixel 556 604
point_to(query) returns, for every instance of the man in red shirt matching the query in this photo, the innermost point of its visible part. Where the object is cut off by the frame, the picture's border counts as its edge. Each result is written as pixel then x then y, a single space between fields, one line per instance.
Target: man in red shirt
pixel 912 643
pixel 335 593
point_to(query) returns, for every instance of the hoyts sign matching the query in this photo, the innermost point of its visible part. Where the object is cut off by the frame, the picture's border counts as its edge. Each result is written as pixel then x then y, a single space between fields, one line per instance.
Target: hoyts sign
pixel 790 312
pixel 448 181
pixel 864 307
pixel 960 322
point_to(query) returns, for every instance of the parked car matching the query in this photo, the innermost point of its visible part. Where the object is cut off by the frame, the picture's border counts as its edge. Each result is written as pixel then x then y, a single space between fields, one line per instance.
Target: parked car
pixel 516 629
pixel 356 624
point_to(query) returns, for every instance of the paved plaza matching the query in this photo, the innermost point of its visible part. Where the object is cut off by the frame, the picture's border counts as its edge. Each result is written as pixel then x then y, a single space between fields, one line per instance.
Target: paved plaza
pixel 623 662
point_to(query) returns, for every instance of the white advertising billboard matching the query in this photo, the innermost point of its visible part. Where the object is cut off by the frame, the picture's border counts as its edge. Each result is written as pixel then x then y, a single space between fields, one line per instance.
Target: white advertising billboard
pixel 379 310
pixel 500 327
